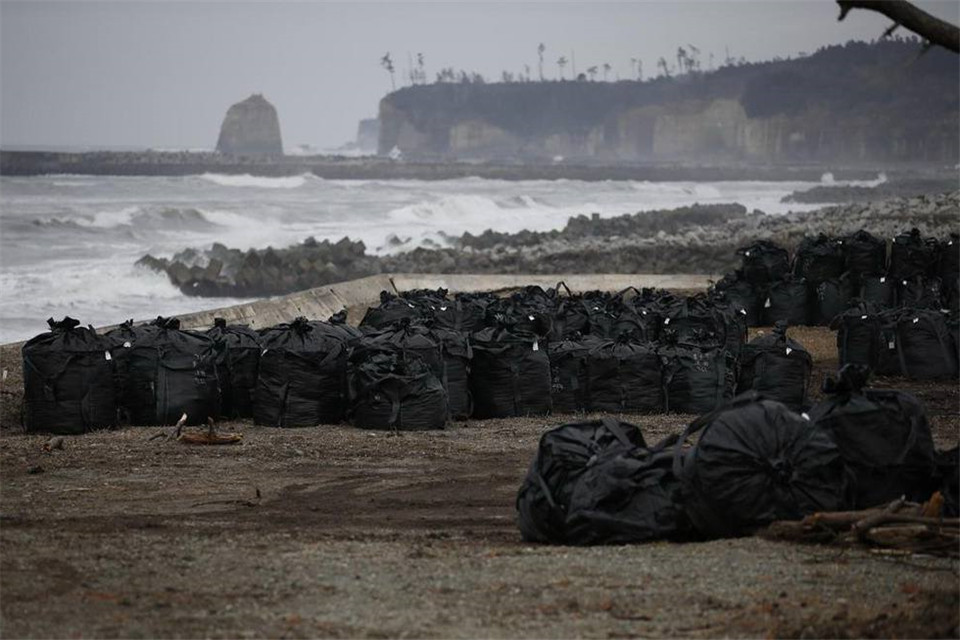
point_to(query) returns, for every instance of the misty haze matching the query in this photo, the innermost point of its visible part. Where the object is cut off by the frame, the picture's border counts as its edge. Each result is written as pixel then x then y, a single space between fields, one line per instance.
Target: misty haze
pixel 432 242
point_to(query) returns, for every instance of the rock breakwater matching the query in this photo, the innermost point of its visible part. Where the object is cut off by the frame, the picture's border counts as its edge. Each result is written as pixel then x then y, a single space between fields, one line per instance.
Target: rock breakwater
pixel 695 239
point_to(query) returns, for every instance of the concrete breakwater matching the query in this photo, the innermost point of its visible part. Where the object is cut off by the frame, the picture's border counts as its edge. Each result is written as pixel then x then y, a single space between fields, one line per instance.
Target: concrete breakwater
pixel 696 239
pixel 183 163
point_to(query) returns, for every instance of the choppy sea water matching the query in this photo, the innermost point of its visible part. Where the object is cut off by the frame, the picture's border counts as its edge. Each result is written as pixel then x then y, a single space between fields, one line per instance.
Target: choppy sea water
pixel 68 244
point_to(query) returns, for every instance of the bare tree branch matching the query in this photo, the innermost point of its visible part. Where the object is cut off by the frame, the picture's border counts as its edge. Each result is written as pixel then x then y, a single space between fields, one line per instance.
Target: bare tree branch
pixel 917 20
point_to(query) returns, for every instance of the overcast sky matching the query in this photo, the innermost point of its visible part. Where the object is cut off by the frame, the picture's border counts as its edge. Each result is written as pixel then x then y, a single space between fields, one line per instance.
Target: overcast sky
pixel 162 74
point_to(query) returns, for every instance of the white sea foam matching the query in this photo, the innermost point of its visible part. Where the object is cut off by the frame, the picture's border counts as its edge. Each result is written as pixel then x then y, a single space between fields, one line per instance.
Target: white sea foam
pixel 258 182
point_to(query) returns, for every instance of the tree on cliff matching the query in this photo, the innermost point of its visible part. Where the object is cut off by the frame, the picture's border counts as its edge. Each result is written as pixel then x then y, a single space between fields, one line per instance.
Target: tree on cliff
pixel 606 70
pixel 662 65
pixel 592 72
pixel 387 64
pixel 540 51
pixel 561 63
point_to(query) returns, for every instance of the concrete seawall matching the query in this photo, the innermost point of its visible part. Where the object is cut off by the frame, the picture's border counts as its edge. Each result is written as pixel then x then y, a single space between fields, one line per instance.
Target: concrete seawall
pixel 355 296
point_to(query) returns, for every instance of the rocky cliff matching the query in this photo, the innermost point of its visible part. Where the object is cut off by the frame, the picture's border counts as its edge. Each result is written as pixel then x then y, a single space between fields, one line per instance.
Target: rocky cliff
pixel 251 127
pixel 853 103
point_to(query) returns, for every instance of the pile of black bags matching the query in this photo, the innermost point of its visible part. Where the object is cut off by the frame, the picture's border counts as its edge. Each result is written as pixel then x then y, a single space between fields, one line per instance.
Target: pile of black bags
pixel 755 461
pixel 827 274
pixel 899 315
pixel 534 352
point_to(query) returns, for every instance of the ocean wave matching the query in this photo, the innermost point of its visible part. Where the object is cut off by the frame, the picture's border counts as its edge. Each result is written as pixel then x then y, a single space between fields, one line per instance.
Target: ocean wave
pixel 828 180
pixel 700 190
pixel 137 217
pixel 103 292
pixel 465 210
pixel 73 183
pixel 258 182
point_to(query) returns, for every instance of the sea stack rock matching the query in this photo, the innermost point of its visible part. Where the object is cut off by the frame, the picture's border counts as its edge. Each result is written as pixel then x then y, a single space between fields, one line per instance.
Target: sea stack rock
pixel 251 127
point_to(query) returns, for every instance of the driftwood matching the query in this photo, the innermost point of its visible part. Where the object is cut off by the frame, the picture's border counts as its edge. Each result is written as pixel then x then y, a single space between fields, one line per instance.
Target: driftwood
pixel 171 434
pixel 210 436
pixel 900 525
pixel 932 29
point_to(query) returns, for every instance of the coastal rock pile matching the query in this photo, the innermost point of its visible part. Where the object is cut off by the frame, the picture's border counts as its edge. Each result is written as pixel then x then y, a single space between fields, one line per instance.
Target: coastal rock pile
pixel 220 271
pixel 695 239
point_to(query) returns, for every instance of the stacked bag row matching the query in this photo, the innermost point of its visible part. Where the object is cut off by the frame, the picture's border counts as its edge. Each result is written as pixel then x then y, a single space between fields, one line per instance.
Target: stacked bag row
pixel 76 380
pixel 754 462
pixel 827 273
pixel 416 361
pixel 914 343
pixel 538 350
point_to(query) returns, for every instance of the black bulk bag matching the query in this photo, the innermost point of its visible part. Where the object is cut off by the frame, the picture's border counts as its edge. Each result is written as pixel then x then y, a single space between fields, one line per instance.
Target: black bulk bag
pixel 831 298
pixel 164 372
pixel 425 298
pixel 473 311
pixel 563 454
pixel 949 272
pixel 446 352
pixel 787 300
pixel 694 321
pixel 601 318
pixel 510 375
pixel 393 389
pixel 912 256
pixel 863 254
pixel 756 462
pixel 777 367
pixel 888 343
pixel 568 373
pixel 457 356
pixel 858 335
pixel 628 497
pixel 953 326
pixel 883 436
pixel 624 377
pixel 521 314
pixel 238 361
pixel 68 380
pixel 764 262
pixel 697 380
pixel 919 293
pixel 625 316
pixel 391 309
pixel 337 323
pixel 924 345
pixel 878 290
pixel 409 338
pixel 950 296
pixel 570 317
pixel 818 259
pixel 442 312
pixel 949 258
pixel 638 320
pixel 302 381
pixel 734 325
pixel 742 295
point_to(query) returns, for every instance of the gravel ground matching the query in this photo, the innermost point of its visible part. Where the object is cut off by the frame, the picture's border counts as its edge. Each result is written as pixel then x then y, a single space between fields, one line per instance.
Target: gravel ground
pixel 333 531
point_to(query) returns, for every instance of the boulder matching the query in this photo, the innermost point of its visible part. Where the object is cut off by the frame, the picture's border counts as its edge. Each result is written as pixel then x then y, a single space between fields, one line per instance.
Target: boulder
pixel 251 127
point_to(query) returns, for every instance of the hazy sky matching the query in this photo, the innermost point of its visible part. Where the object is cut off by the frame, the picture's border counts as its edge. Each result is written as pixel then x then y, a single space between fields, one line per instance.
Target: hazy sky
pixel 162 74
